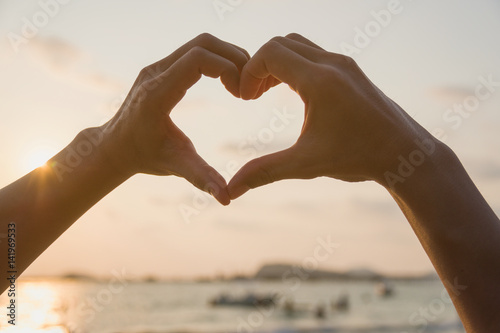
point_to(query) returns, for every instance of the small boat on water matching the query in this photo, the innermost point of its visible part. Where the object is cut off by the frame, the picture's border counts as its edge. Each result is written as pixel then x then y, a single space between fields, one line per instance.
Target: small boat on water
pixel 341 304
pixel 250 299
pixel 384 289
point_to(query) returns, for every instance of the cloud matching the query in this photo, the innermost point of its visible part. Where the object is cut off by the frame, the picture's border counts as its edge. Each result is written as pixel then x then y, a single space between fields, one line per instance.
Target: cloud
pixel 59 55
pixel 67 61
pixel 486 168
pixel 451 93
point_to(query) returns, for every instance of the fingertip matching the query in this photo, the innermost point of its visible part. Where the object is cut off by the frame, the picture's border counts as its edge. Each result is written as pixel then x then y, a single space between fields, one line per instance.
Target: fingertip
pixel 245 93
pixel 245 97
pixel 231 80
pixel 217 187
pixel 236 191
pixel 234 91
pixel 223 197
pixel 247 55
pixel 249 85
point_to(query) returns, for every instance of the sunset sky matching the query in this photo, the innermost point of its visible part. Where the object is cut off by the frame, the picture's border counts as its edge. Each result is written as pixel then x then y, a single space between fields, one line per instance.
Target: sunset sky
pixel 74 69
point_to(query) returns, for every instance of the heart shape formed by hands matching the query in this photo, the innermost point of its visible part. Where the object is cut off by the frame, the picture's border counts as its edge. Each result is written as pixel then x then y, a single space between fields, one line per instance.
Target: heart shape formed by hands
pixel 348 129
pixel 352 131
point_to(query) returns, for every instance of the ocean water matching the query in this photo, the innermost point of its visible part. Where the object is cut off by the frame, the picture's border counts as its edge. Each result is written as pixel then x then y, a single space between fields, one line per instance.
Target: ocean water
pixel 60 306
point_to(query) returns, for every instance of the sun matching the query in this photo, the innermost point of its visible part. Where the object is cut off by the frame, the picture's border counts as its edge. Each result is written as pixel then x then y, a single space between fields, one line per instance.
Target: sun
pixel 36 156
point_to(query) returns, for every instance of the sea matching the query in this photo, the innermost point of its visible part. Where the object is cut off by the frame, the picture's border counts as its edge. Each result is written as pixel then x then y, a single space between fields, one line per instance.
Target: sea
pixel 75 305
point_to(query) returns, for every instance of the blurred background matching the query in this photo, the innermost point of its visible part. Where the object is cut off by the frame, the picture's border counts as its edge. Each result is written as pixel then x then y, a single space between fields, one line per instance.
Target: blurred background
pixel 67 65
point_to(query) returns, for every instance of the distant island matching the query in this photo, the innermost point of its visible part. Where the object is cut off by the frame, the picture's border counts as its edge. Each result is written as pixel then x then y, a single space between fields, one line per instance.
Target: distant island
pixel 280 271
pixel 271 272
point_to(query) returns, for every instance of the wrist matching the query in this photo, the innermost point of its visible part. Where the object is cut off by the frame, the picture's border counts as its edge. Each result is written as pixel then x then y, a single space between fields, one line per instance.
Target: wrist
pixel 423 160
pixel 109 149
pixel 93 149
pixel 424 190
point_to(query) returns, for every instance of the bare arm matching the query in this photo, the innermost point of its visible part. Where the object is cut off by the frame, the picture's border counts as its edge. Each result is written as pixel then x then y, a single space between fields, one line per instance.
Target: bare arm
pixel 459 232
pixel 353 132
pixel 40 206
pixel 141 138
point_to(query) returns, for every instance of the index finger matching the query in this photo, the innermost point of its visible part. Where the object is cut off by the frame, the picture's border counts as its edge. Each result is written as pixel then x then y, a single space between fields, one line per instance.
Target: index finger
pixel 274 59
pixel 226 50
pixel 187 70
pixel 299 38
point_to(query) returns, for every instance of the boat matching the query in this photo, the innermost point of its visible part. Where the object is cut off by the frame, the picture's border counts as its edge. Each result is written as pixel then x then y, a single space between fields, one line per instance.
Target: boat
pixel 384 289
pixel 250 299
pixel 341 304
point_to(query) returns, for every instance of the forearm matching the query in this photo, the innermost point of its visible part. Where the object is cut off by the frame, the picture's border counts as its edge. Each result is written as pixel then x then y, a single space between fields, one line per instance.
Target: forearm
pixel 47 201
pixel 459 232
pixel 352 131
pixel 140 138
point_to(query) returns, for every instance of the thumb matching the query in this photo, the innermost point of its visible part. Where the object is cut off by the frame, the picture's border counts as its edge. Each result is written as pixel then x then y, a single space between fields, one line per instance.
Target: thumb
pixel 203 176
pixel 264 170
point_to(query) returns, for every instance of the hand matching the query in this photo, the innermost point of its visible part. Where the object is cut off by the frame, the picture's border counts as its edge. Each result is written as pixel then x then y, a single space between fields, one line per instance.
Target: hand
pixel 145 138
pixel 351 130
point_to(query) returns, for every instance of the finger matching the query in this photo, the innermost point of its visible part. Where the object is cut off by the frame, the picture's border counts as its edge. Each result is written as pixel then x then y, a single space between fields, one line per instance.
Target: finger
pixel 242 50
pixel 300 45
pixel 299 38
pixel 313 52
pixel 267 84
pixel 176 80
pixel 235 54
pixel 199 173
pixel 307 49
pixel 274 59
pixel 264 170
pixel 271 82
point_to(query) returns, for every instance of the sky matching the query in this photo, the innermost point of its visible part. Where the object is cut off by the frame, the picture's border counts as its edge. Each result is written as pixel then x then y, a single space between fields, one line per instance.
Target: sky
pixel 67 65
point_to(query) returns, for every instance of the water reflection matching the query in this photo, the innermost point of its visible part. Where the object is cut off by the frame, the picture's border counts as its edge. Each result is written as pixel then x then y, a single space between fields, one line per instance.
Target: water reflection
pixel 80 306
pixel 41 306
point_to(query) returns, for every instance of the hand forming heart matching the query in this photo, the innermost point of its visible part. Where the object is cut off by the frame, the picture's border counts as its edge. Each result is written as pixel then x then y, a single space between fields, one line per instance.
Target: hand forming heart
pixel 351 131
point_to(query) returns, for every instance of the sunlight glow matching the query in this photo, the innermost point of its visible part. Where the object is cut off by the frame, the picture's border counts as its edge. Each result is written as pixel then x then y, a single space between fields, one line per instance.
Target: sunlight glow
pixel 40 308
pixel 37 156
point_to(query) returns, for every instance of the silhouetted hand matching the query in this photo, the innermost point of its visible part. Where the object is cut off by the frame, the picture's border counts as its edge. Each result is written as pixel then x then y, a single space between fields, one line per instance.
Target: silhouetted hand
pixel 146 139
pixel 351 131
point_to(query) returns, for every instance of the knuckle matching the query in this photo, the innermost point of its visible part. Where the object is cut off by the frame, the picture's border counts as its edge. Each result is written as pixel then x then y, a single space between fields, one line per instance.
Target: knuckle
pixel 277 39
pixel 197 52
pixel 347 60
pixel 204 38
pixel 139 93
pixel 294 36
pixel 271 46
pixel 143 72
pixel 156 67
pixel 342 60
pixel 147 72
